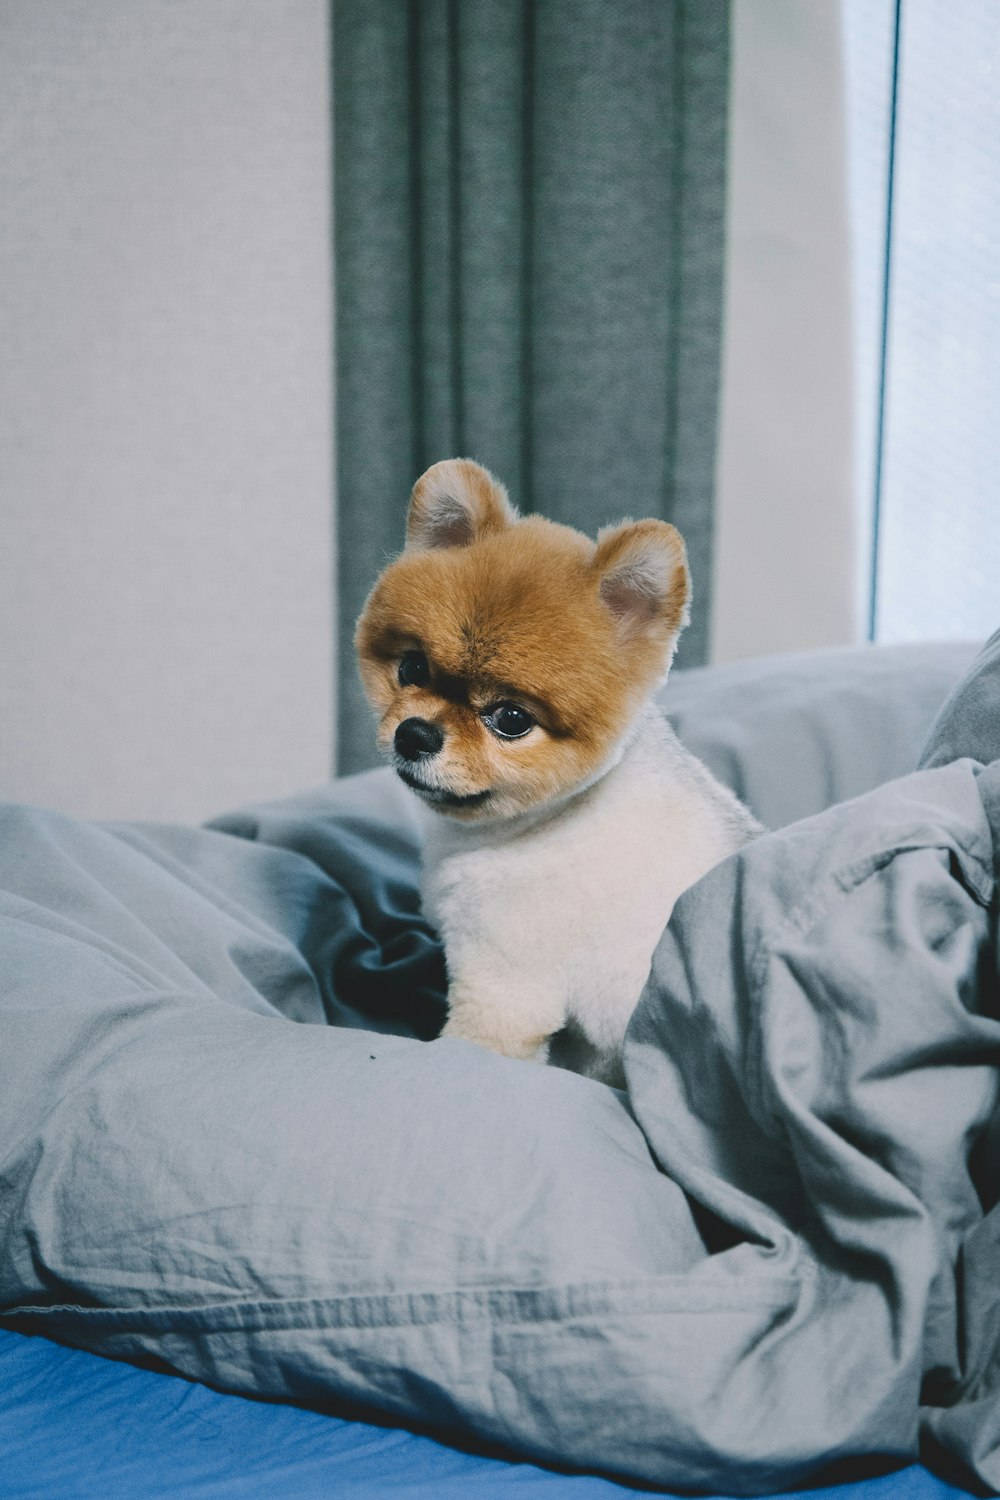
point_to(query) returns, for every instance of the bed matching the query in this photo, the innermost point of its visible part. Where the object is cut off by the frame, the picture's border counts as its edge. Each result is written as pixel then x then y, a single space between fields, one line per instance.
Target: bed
pixel 261 1234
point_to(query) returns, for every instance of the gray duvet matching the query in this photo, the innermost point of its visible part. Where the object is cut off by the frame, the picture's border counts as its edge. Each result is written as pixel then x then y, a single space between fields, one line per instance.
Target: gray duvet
pixel 229 1148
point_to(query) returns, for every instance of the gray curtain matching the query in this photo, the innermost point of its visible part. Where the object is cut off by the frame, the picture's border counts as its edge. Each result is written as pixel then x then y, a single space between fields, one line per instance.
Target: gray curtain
pixel 528 258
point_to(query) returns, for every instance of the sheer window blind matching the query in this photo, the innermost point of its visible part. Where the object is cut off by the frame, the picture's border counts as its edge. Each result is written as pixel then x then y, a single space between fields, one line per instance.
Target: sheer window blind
pixel 929 392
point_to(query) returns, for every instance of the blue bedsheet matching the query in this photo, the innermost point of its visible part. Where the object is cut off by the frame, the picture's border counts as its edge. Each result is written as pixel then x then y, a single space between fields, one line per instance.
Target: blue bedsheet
pixel 73 1425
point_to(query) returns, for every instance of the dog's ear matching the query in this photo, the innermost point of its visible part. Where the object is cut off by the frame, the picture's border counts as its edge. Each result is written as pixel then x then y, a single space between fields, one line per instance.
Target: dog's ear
pixel 455 502
pixel 643 578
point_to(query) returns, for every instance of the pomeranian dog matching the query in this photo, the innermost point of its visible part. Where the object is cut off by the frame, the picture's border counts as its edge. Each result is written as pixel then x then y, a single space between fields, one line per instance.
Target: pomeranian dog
pixel 511 662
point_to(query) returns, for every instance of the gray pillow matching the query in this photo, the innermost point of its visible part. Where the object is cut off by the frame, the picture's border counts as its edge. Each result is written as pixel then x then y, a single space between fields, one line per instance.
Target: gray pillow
pixel 969 721
pixel 793 734
pixel 311 1212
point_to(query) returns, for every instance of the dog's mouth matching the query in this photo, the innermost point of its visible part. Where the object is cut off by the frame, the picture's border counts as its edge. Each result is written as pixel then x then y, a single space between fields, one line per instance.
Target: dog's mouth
pixel 439 796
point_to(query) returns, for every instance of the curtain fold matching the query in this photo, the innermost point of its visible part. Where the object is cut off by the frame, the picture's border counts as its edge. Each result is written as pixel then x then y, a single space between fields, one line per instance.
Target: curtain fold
pixel 529 224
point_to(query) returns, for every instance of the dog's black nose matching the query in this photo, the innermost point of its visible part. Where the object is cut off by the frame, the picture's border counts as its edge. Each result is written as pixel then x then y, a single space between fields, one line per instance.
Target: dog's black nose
pixel 416 739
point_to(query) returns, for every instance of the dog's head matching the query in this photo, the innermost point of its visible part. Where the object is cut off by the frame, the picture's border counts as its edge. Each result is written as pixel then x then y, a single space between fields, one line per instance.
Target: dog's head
pixel 507 657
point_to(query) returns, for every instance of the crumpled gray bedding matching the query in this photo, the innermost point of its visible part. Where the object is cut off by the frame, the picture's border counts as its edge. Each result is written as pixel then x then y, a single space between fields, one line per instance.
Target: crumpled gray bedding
pixel 777 1255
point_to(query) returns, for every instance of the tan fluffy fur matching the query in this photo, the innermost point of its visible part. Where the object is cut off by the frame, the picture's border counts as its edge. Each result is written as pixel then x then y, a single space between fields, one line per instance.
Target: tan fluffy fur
pixel 516 613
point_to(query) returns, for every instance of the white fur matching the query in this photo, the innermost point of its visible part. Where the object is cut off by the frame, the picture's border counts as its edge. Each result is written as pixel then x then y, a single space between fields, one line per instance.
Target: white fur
pixel 550 920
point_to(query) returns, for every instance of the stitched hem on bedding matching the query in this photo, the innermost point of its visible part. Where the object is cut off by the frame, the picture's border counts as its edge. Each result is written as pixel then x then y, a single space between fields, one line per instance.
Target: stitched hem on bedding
pixel 380 1310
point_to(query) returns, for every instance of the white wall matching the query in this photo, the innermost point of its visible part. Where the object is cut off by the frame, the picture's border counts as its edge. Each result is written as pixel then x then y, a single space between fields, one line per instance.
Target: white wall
pixel 166 640
pixel 792 529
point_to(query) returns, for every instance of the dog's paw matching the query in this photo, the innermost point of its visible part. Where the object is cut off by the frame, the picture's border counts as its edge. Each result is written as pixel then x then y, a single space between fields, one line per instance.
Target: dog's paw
pixel 495 1031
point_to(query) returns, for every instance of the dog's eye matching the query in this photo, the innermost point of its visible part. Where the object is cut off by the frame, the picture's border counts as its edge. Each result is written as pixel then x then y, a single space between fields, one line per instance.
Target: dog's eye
pixel 413 669
pixel 509 721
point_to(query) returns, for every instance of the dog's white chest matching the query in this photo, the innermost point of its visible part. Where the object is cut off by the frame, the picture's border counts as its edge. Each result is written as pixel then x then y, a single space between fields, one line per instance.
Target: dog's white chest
pixel 556 923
